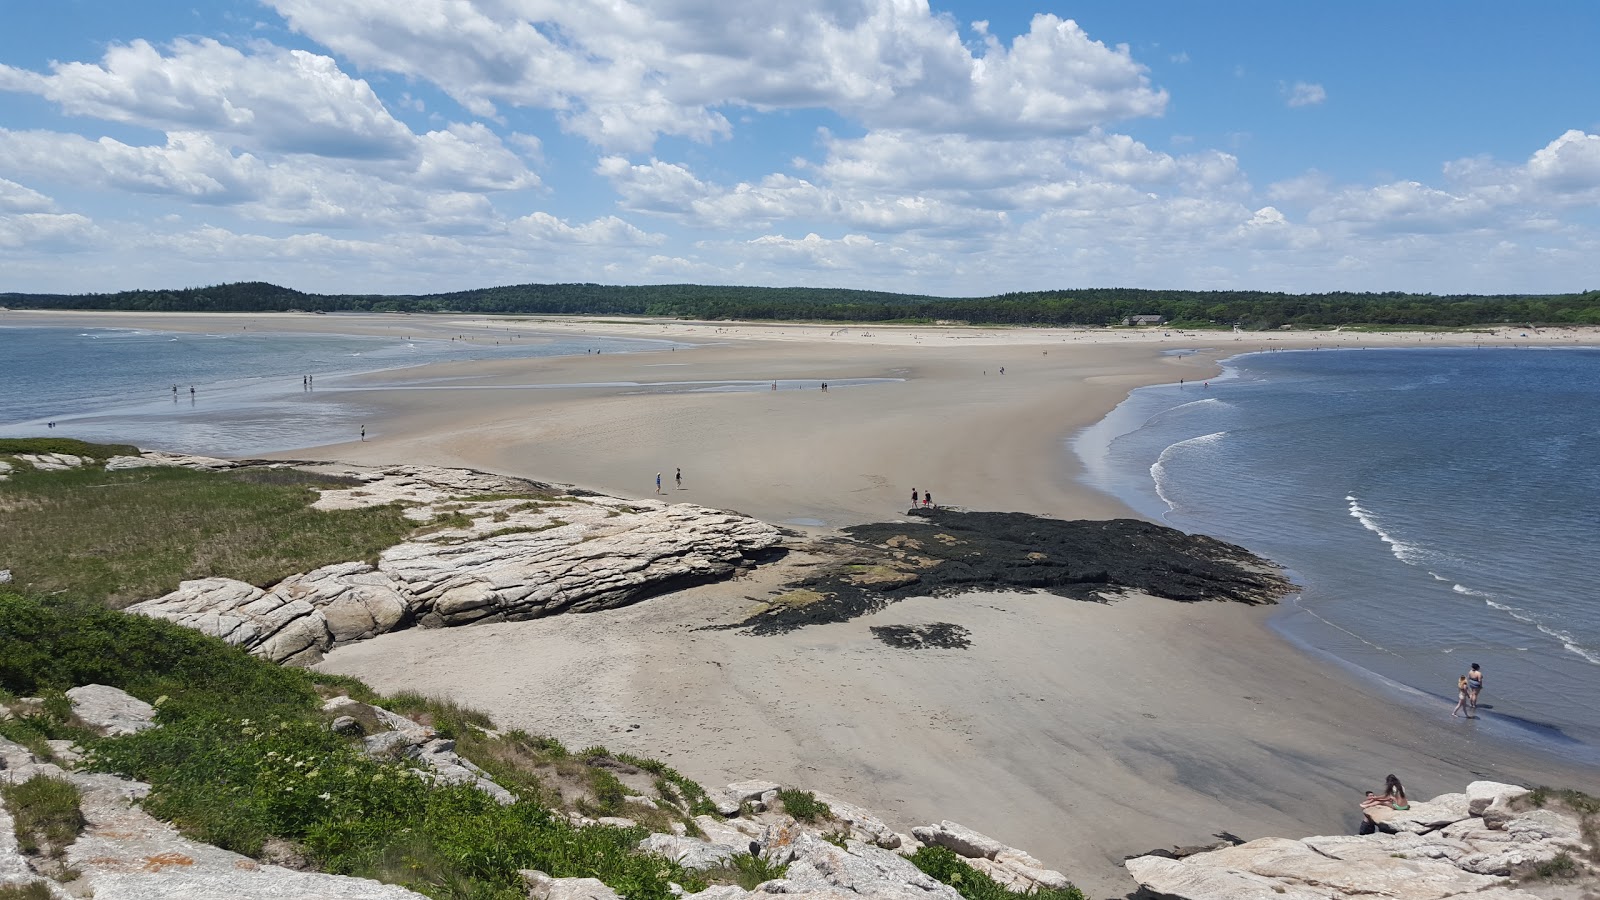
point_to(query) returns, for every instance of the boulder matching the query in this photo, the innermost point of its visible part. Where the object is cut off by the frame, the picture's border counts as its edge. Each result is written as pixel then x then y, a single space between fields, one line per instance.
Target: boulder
pixel 961 839
pixel 688 852
pixel 1482 794
pixel 1545 825
pixel 1179 878
pixel 111 711
pixel 544 887
pixel 864 870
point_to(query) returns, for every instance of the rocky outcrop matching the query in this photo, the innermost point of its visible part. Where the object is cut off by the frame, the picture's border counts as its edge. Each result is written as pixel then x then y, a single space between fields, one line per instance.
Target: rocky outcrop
pixel 111 711
pixel 1454 845
pixel 504 555
pixel 52 462
pixel 391 736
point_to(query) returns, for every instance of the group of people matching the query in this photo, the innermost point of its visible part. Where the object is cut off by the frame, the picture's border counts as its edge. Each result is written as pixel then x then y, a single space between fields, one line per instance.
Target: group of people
pixel 924 498
pixel 1468 687
pixel 677 476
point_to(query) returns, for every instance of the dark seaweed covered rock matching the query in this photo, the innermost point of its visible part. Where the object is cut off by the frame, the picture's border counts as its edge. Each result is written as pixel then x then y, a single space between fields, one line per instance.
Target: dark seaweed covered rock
pixel 949 551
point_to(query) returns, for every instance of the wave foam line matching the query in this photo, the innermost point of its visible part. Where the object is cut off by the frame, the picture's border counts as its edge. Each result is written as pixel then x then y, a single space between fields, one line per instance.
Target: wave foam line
pixel 1158 469
pixel 1410 554
pixel 1568 642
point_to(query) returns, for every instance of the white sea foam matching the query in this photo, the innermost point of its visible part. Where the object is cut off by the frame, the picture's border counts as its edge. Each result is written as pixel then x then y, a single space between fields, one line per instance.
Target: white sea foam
pixel 1158 469
pixel 1409 554
pixel 1568 642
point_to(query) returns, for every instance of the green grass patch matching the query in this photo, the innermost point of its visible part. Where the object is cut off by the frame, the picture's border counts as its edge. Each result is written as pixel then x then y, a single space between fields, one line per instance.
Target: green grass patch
pixel 66 445
pixel 46 814
pixel 33 890
pixel 945 866
pixel 746 871
pixel 1562 865
pixel 121 537
pixel 804 806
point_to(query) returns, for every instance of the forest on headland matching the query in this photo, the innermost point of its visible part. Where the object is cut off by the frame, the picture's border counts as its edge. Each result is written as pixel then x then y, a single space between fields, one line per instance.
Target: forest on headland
pixel 1252 310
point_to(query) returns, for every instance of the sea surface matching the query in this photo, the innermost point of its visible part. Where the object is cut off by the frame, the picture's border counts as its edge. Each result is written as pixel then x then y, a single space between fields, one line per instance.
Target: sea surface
pixel 116 384
pixel 1438 507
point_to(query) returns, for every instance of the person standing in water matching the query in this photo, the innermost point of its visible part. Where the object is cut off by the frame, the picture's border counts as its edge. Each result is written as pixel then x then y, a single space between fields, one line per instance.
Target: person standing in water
pixel 679 477
pixel 363 432
pixel 658 482
pixel 1474 687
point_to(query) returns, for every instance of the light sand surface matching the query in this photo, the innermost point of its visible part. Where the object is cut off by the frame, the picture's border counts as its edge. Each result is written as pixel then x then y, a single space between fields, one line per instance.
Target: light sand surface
pixel 1080 732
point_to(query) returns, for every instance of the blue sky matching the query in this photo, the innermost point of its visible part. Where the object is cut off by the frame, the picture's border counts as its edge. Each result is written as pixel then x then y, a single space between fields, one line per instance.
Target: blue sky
pixel 957 149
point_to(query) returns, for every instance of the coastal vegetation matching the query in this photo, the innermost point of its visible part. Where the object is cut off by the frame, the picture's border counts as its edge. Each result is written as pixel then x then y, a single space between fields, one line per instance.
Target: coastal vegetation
pixel 1089 306
pixel 118 537
pixel 247 755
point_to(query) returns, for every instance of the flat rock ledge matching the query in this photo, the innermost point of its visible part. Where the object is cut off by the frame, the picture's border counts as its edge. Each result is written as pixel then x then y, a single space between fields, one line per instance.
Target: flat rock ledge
pixel 1474 844
pixel 507 550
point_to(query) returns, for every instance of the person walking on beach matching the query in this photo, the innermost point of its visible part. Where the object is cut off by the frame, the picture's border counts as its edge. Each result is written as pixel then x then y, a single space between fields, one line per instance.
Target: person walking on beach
pixel 658 482
pixel 363 432
pixel 1461 697
pixel 916 497
pixel 1474 686
pixel 679 477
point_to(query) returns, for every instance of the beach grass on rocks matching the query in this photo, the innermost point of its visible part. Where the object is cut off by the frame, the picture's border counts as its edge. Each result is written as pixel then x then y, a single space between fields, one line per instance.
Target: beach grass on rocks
pixel 69 446
pixel 125 536
pixel 244 756
pixel 46 814
pixel 945 866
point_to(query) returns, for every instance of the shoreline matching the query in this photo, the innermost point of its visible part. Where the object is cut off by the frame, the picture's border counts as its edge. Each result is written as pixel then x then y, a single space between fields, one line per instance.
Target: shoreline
pixel 1108 728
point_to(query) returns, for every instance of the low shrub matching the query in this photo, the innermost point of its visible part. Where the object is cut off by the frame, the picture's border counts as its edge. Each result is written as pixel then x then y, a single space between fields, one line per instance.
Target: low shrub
pixel 746 871
pixel 46 814
pixel 804 806
pixel 943 865
pixel 33 890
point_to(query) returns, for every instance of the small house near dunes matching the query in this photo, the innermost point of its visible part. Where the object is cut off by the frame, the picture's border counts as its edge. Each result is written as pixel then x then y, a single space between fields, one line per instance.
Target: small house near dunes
pixel 1145 320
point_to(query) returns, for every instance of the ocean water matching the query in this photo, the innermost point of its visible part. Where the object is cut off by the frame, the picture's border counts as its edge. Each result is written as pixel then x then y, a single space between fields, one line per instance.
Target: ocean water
pixel 107 384
pixel 1438 507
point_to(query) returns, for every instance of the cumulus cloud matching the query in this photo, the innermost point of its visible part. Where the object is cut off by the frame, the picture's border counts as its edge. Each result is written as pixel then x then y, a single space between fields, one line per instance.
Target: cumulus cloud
pixel 1304 94
pixel 16 198
pixel 48 231
pixel 620 74
pixel 284 100
pixel 1570 162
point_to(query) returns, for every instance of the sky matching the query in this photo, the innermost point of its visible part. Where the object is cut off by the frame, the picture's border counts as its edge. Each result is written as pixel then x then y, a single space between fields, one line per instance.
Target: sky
pixel 956 149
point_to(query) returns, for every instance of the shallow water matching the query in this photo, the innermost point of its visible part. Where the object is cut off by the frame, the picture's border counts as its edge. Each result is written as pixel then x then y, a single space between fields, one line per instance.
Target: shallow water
pixel 1438 506
pixel 110 384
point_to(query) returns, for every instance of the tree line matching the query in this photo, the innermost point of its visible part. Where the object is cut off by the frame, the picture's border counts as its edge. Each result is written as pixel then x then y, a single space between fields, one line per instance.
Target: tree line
pixel 1253 310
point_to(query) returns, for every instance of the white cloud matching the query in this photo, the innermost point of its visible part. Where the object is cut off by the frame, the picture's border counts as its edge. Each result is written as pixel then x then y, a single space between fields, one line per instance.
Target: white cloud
pixel 1571 162
pixel 16 198
pixel 49 231
pixel 621 74
pixel 285 100
pixel 1303 94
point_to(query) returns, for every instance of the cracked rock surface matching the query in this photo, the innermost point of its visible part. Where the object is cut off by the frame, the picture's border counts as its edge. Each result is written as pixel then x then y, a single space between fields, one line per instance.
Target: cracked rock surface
pixel 507 550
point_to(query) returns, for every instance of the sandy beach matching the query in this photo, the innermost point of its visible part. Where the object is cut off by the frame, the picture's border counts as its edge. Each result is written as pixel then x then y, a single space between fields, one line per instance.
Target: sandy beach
pixel 1079 731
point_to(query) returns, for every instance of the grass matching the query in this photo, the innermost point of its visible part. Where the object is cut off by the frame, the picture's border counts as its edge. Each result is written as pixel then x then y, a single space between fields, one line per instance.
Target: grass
pixel 944 865
pixel 243 754
pixel 120 537
pixel 1586 807
pixel 1562 865
pixel 66 445
pixel 804 806
pixel 746 871
pixel 33 890
pixel 46 813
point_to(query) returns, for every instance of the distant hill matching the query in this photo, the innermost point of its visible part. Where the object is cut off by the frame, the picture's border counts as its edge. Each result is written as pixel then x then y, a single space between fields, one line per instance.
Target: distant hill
pixel 1087 306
